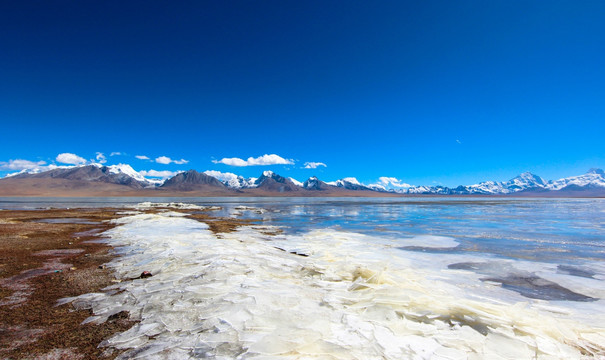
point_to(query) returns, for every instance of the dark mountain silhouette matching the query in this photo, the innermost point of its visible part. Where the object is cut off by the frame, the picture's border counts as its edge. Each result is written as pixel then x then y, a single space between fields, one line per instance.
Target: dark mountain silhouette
pixel 89 173
pixel 269 181
pixel 313 183
pixel 193 180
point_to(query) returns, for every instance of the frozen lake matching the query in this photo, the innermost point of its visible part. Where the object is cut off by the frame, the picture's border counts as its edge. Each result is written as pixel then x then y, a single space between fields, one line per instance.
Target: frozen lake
pixel 359 278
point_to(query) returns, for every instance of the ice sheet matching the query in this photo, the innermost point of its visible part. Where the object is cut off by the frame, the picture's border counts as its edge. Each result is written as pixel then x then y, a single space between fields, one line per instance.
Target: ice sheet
pixel 248 295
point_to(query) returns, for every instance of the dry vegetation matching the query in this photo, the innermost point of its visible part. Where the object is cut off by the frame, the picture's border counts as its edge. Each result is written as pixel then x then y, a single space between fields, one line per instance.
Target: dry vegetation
pixel 41 263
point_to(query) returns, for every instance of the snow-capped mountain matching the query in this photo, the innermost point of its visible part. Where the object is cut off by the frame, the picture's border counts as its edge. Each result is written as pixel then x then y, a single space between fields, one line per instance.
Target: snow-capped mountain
pixel 485 187
pixel 270 181
pixel 116 174
pixel 313 183
pixel 349 183
pixel 38 170
pixel 296 182
pixel 524 183
pixel 122 174
pixel 594 178
pixel 241 183
pixel 590 184
pixel 232 180
pixel 124 169
pixel 386 183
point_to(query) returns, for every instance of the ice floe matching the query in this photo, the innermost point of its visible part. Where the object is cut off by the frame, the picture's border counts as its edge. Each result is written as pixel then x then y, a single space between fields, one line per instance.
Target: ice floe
pixel 248 295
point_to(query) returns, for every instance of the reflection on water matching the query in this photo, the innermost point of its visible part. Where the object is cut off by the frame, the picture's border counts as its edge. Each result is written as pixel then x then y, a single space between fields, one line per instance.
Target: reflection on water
pixel 523 282
pixel 551 230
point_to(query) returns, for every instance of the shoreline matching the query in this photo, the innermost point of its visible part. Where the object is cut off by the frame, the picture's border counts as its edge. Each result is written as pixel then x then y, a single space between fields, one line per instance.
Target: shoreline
pixel 48 255
pixel 174 277
pixel 324 196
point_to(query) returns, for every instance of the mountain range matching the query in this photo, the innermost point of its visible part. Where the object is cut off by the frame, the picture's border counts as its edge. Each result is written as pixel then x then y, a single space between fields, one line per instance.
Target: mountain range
pixel 123 180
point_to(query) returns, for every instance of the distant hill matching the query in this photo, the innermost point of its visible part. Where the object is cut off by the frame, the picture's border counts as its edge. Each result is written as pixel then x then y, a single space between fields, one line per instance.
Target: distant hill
pixel 123 180
pixel 591 184
pixel 350 183
pixel 116 174
pixel 314 184
pixel 192 180
pixel 271 182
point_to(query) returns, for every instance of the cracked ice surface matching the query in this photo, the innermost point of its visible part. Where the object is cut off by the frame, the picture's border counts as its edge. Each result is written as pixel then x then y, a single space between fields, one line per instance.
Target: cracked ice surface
pixel 241 295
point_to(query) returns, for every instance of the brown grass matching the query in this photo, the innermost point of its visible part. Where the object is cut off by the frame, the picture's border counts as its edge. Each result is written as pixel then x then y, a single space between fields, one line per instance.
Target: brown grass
pixel 221 225
pixel 41 263
pixel 35 263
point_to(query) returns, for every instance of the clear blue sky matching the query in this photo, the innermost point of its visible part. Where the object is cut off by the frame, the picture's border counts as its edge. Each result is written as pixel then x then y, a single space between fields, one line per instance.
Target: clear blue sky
pixel 452 92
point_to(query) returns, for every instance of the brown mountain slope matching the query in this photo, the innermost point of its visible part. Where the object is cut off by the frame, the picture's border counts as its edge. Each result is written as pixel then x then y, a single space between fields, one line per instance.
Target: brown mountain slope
pixel 49 187
pixel 194 181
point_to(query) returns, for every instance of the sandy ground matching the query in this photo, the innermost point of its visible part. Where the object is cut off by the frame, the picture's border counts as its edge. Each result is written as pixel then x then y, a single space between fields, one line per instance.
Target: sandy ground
pixel 42 262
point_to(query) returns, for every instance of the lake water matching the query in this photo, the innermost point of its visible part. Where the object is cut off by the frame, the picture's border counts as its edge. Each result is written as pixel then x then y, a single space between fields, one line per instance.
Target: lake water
pixel 342 278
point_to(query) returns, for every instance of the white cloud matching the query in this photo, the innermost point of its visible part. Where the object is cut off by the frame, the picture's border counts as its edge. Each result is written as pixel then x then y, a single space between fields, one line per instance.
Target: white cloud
pixel 142 157
pixel 20 164
pixel 222 176
pixel 458 141
pixel 394 182
pixel 115 153
pixel 163 160
pixel 231 161
pixel 30 170
pixel 314 165
pixel 101 158
pixel 352 180
pixel 266 159
pixel 69 158
pixel 166 160
pixel 164 174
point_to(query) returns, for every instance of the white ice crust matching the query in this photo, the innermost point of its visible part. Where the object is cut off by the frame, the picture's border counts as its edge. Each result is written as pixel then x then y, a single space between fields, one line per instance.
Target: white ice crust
pixel 173 205
pixel 248 295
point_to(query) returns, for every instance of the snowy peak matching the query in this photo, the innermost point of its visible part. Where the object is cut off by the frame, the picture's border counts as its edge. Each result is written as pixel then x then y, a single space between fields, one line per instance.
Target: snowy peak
pixel 313 183
pixel 524 182
pixel 485 187
pixel 529 178
pixel 390 184
pixel 119 174
pixel 270 175
pixel 231 180
pixel 127 170
pixel 349 183
pixel 296 182
pixel 351 180
pixel 594 178
pixel 270 181
pixel 592 183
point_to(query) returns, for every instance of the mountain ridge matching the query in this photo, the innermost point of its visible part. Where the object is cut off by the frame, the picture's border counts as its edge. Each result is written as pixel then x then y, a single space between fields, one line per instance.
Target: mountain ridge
pixel 591 183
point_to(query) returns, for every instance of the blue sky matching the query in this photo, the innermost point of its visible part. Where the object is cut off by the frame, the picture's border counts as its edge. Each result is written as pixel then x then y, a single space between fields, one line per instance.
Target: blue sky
pixel 449 92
